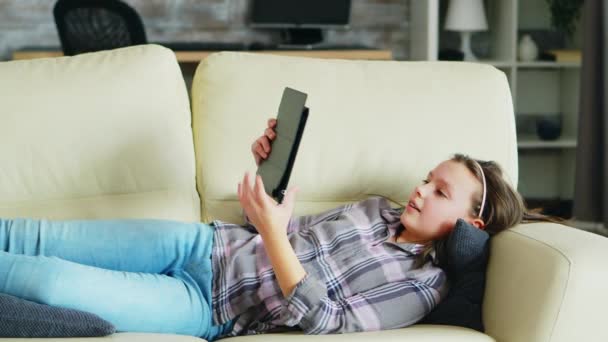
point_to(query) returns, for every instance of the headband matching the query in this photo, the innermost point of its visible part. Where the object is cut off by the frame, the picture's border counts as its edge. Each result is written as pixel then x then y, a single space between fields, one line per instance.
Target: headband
pixel 483 179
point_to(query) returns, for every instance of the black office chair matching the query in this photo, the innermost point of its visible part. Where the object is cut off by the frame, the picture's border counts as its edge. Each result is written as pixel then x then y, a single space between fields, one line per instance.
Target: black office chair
pixel 93 25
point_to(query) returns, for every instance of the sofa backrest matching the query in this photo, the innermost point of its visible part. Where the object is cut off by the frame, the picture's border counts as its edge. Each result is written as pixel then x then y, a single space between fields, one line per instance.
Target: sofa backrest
pixel 97 135
pixel 375 127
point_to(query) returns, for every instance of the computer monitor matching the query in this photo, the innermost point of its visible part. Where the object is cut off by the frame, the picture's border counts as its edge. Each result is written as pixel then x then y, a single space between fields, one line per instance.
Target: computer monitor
pixel 300 20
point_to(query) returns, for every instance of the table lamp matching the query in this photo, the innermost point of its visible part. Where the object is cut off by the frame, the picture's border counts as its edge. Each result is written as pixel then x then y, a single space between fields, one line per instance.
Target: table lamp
pixel 466 17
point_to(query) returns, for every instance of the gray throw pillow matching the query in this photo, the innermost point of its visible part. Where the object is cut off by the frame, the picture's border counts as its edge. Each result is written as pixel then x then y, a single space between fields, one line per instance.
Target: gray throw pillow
pixel 464 256
pixel 23 318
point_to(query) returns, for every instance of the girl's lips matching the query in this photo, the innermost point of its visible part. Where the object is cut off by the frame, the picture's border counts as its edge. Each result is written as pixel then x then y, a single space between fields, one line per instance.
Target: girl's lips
pixel 412 207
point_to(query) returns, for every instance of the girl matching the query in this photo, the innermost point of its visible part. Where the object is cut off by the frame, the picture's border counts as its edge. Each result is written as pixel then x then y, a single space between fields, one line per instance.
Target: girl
pixel 353 268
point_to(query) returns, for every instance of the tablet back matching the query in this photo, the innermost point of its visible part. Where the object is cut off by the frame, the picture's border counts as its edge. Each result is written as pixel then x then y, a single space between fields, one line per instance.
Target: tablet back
pixel 291 119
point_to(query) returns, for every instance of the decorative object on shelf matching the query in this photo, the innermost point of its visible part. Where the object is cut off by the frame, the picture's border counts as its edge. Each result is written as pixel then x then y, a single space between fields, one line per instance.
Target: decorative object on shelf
pixel 549 127
pixel 527 49
pixel 566 55
pixel 545 39
pixel 564 14
pixel 466 17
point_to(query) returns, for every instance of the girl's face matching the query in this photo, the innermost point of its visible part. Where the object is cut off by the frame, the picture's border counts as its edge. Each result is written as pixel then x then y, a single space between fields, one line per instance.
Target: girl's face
pixel 443 197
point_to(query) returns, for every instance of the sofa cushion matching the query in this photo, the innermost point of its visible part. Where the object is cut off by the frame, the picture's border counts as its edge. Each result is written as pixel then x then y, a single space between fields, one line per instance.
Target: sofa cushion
pixel 365 130
pixel 97 135
pixel 23 318
pixel 416 333
pixel 464 256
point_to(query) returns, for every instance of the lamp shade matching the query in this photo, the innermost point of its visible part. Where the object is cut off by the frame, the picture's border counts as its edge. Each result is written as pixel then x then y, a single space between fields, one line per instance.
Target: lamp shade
pixel 466 15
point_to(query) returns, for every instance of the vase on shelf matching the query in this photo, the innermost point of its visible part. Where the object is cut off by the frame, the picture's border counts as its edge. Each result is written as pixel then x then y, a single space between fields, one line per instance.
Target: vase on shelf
pixel 527 49
pixel 549 127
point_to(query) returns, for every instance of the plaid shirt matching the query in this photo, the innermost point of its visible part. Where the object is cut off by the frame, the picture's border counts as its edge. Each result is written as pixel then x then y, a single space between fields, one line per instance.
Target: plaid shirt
pixel 356 279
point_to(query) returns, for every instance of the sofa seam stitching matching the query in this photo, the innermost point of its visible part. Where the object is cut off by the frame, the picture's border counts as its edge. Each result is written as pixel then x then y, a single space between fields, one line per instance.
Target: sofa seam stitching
pixel 567 280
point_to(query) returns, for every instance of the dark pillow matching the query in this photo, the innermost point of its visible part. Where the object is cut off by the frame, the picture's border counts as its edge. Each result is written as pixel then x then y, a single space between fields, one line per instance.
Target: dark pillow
pixel 23 318
pixel 464 256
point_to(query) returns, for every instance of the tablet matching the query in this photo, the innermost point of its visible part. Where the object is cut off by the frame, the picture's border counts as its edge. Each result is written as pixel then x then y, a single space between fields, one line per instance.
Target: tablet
pixel 291 120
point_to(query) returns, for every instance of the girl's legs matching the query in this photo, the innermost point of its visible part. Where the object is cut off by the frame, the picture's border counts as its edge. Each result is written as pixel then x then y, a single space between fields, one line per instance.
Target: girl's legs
pixel 148 275
pixel 136 302
pixel 133 245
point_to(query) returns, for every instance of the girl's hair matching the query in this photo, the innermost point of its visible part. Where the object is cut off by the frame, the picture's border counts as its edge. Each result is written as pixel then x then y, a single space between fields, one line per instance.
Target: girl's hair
pixel 504 206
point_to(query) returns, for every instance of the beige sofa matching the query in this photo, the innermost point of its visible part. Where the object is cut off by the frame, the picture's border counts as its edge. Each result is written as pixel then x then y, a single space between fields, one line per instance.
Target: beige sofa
pixel 111 134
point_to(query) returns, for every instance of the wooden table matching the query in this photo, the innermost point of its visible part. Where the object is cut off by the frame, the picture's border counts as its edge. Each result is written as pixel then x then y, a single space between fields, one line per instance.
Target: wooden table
pixel 196 56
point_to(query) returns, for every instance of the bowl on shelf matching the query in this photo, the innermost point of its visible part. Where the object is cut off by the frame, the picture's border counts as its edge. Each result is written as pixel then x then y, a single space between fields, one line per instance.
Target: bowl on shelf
pixel 549 127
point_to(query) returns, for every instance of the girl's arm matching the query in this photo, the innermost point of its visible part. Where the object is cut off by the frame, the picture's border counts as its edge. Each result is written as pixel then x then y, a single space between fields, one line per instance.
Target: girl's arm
pixel 287 267
pixel 271 219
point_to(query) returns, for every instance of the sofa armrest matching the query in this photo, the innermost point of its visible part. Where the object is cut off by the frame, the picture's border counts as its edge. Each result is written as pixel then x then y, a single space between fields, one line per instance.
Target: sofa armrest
pixel 547 282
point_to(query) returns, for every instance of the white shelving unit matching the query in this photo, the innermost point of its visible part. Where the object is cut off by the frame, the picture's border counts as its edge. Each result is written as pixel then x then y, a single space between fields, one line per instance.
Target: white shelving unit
pixel 538 88
pixel 533 142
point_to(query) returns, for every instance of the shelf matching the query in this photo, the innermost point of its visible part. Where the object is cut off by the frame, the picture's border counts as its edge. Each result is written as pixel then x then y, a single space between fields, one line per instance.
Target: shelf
pixel 497 63
pixel 533 142
pixel 197 56
pixel 548 64
pixel 530 65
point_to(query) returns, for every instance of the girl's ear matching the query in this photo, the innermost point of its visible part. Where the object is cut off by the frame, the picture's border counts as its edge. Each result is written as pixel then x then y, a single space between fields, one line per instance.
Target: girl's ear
pixel 477 222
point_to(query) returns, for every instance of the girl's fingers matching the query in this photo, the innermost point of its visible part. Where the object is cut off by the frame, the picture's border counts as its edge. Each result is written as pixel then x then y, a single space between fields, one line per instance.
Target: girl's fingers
pixel 247 193
pixel 241 196
pixel 250 190
pixel 245 189
pixel 256 155
pixel 258 189
pixel 265 143
pixel 270 133
pixel 272 122
pixel 260 151
pixel 241 190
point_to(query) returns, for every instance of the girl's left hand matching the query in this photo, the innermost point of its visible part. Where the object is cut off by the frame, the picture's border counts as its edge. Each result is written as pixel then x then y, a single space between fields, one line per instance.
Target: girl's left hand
pixel 263 211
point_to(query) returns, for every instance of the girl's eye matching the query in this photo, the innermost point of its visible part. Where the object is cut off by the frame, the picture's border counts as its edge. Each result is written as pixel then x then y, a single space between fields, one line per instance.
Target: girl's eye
pixel 425 181
pixel 442 194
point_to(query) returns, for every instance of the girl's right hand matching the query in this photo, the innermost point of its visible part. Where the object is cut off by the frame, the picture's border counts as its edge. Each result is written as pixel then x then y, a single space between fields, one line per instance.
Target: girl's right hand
pixel 267 216
pixel 261 146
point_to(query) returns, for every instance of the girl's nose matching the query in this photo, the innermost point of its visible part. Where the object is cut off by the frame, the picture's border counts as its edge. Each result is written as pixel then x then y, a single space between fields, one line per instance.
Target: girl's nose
pixel 421 190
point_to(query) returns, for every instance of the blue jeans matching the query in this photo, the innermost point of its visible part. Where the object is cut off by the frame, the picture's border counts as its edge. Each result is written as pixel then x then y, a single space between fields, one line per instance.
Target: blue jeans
pixel 141 275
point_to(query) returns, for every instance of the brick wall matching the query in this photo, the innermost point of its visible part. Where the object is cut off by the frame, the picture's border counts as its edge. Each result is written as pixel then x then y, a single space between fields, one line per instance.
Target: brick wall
pixel 380 23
